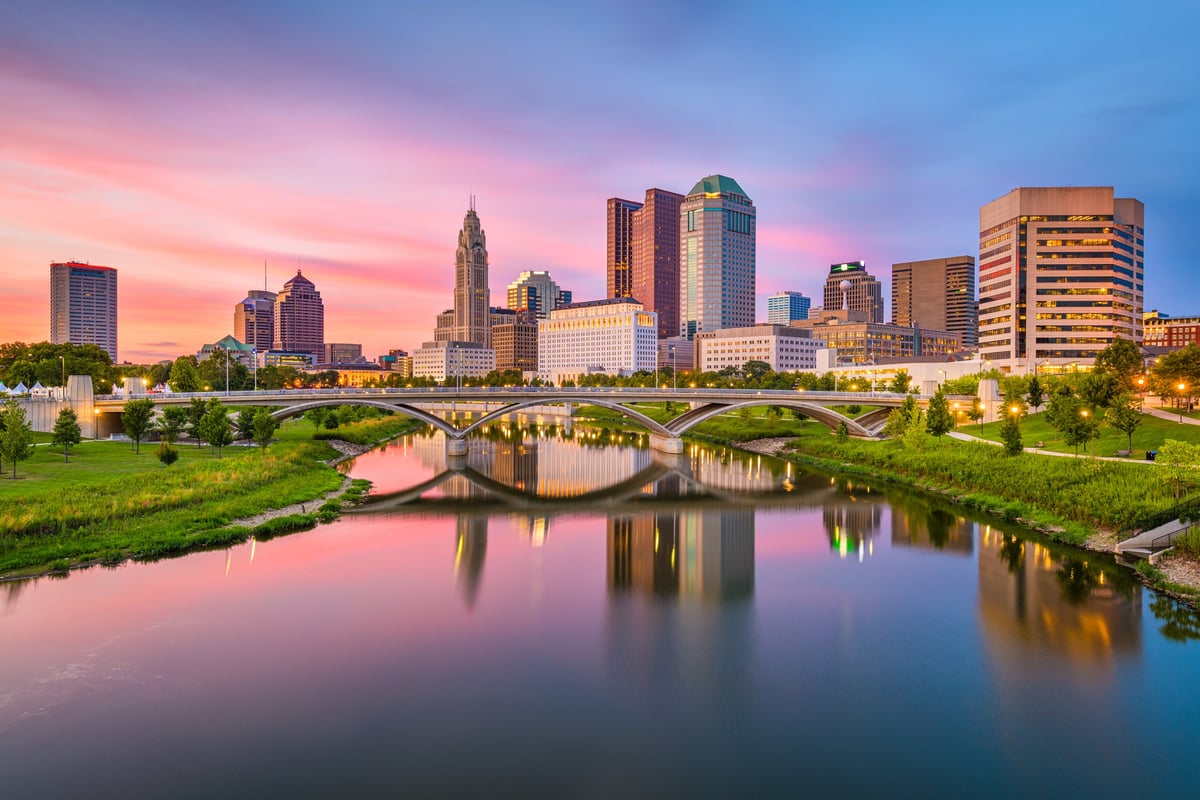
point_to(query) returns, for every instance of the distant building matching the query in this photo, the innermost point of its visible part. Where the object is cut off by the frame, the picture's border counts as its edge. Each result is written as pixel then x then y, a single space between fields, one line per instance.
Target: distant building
pixel 357 375
pixel 342 353
pixel 516 343
pixel 1171 333
pixel 937 293
pixel 784 348
pixel 439 360
pixel 615 336
pixel 83 305
pixel 717 233
pixel 857 340
pixel 472 298
pixel 536 291
pixel 619 231
pixel 286 358
pixel 785 307
pixel 397 361
pixel 1061 274
pixel 300 317
pixel 654 270
pixel 239 352
pixel 676 352
pixel 850 287
pixel 254 320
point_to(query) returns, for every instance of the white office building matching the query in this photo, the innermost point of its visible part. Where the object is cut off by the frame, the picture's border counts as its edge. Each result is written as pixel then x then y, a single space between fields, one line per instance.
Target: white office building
pixel 785 348
pixel 616 336
pixel 439 360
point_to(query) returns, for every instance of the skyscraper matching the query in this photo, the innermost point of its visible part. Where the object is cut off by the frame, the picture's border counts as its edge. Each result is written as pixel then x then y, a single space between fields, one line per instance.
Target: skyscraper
pixel 83 305
pixel 536 291
pixel 254 320
pixel 864 292
pixel 620 246
pixel 299 317
pixel 1061 273
pixel 471 294
pixel 937 293
pixel 785 307
pixel 716 255
pixel 655 258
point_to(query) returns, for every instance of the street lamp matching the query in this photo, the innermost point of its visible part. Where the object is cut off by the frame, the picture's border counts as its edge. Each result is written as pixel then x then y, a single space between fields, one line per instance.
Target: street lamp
pixel 674 380
pixel 96 427
pixel 1141 384
pixel 982 411
pixel 1181 387
pixel 1083 412
pixel 957 415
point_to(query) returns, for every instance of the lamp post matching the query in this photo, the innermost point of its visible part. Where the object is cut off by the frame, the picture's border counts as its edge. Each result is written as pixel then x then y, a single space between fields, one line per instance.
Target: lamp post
pixel 254 357
pixel 1083 412
pixel 226 373
pixel 1181 388
pixel 1141 384
pixel 982 411
pixel 674 380
pixel 957 414
pixel 63 359
pixel 96 427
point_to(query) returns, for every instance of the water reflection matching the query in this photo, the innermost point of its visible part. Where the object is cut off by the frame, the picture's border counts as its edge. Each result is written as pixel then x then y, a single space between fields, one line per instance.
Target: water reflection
pixel 1032 598
pixel 925 524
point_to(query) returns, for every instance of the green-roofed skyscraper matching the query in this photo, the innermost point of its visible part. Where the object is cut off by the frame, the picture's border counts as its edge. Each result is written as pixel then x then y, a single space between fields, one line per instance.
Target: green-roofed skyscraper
pixel 716 257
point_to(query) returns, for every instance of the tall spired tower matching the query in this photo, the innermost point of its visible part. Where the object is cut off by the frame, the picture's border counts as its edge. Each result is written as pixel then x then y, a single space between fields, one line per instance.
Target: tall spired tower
pixel 471 295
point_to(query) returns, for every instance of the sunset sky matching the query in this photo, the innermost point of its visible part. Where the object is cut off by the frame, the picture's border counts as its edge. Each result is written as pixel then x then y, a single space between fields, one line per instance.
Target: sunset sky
pixel 186 143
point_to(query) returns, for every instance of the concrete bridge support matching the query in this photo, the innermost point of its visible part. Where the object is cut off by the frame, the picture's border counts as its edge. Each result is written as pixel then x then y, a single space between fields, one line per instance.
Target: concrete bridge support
pixel 672 445
pixel 456 447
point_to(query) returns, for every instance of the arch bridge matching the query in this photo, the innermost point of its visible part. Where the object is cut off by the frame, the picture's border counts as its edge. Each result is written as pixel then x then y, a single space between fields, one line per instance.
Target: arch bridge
pixel 425 404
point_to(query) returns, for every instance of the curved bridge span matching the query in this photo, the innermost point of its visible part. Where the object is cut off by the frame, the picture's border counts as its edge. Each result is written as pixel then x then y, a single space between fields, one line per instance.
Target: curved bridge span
pixel 424 405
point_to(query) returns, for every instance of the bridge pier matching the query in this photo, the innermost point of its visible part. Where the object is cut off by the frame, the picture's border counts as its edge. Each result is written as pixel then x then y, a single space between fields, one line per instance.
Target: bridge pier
pixel 672 445
pixel 456 447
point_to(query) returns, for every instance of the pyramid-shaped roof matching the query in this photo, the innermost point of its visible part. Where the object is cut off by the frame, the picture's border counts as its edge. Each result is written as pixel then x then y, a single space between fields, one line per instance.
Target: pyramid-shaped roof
pixel 717 184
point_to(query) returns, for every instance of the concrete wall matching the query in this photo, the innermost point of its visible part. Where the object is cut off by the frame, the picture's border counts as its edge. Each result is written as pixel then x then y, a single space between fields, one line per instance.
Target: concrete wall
pixel 43 413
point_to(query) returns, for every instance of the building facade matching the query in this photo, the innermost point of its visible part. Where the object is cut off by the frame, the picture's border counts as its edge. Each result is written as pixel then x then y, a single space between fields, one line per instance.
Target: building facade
pixel 1171 333
pixel 615 336
pixel 785 348
pixel 516 343
pixel 440 360
pixel 254 320
pixel 1061 274
pixel 472 298
pixel 860 341
pixel 717 232
pixel 342 353
pixel 536 291
pixel 850 287
pixel 83 305
pixel 619 232
pixel 655 266
pixel 239 352
pixel 937 293
pixel 785 307
pixel 299 317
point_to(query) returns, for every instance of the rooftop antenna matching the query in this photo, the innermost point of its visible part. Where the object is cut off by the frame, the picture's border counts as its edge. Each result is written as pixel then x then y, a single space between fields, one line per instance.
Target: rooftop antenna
pixel 472 203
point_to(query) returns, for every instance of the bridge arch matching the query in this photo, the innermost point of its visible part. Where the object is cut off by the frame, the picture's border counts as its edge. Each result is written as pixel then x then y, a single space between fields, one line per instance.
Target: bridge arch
pixel 827 416
pixel 493 416
pixel 399 408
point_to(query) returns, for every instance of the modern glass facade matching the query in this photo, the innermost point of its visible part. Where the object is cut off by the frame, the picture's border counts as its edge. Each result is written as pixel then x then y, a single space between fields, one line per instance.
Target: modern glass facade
pixel 619 229
pixel 300 317
pixel 655 272
pixel 717 230
pixel 785 307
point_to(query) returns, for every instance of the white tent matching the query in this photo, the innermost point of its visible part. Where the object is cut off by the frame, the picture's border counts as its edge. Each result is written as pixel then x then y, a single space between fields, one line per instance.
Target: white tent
pixel 20 388
pixel 3 388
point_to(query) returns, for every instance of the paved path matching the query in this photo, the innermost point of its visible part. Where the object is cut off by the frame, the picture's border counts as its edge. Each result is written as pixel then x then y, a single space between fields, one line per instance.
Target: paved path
pixel 965 437
pixel 1172 416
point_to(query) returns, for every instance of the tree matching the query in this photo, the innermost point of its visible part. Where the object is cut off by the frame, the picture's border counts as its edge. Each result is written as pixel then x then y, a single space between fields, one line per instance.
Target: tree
pixel 1097 389
pixel 196 410
pixel 167 454
pixel 215 427
pixel 915 435
pixel 1034 392
pixel 185 377
pixel 1122 360
pixel 939 421
pixel 1010 434
pixel 171 424
pixel 245 423
pixel 898 421
pixel 900 383
pixel 16 442
pixel 138 420
pixel 1124 415
pixel 1179 465
pixel 843 432
pixel 66 431
pixel 264 427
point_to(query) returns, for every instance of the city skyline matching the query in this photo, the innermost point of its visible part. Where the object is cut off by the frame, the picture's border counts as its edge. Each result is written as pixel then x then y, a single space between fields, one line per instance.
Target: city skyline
pixel 310 139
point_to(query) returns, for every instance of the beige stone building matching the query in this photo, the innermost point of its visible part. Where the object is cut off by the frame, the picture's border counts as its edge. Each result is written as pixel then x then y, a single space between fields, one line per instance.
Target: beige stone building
pixel 937 293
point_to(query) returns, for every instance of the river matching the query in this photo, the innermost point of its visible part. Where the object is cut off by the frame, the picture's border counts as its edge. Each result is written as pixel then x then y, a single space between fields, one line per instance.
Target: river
pixel 577 616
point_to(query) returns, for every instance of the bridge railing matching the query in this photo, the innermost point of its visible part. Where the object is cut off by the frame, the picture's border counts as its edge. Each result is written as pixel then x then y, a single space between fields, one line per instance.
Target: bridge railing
pixel 483 391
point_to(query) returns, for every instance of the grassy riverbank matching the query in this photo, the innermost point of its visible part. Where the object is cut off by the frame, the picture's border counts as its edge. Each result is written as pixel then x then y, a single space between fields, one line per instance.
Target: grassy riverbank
pixel 109 504
pixel 1150 435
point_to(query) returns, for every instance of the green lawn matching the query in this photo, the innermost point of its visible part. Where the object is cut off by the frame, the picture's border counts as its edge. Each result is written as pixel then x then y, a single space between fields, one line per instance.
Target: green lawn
pixel 1149 436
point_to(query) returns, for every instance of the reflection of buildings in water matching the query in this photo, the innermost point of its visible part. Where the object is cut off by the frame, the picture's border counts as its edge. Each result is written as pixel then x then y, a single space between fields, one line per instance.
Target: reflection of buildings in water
pixel 1030 600
pixel 470 550
pixel 690 553
pixel 931 528
pixel 531 528
pixel 725 471
pixel 852 524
